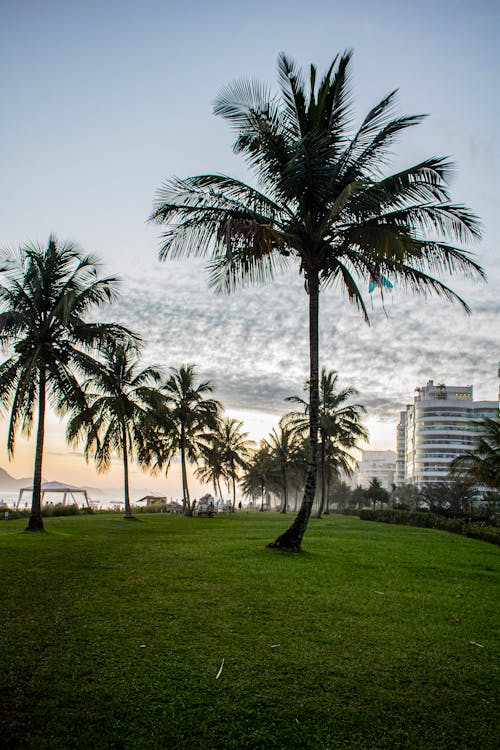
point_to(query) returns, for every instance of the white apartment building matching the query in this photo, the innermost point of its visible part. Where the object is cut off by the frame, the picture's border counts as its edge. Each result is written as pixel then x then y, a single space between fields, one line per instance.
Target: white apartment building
pixel 379 464
pixel 399 477
pixel 440 425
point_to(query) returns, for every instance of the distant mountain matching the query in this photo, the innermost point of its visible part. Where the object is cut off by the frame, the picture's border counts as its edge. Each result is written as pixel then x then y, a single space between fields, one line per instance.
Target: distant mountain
pixel 10 484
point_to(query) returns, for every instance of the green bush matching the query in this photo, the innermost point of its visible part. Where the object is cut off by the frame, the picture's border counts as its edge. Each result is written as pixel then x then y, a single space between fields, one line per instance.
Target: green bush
pixel 427 520
pixel 61 510
pixel 159 507
pixel 13 514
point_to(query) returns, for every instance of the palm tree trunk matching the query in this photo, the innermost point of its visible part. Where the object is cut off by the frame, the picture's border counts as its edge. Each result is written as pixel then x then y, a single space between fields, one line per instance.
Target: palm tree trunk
pixel 285 493
pixel 186 504
pixel 35 522
pixel 234 485
pixel 327 499
pixel 323 478
pixel 291 539
pixel 128 509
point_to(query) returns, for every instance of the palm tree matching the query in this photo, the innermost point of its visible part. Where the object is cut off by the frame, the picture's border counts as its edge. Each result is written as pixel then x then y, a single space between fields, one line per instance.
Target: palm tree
pixel 211 468
pixel 339 429
pixel 235 450
pixel 481 465
pixel 44 298
pixel 192 416
pixel 376 493
pixel 122 414
pixel 283 447
pixel 257 477
pixel 322 201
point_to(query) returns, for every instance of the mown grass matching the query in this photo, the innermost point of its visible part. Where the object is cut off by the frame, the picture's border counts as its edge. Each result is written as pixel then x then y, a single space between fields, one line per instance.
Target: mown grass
pixel 377 636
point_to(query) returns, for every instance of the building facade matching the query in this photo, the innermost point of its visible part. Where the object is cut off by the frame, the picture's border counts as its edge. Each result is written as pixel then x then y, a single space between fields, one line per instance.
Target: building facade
pixel 379 464
pixel 441 424
pixel 399 477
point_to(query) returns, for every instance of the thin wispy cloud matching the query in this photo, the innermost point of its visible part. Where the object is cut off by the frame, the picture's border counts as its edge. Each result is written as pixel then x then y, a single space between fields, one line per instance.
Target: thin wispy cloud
pixel 253 345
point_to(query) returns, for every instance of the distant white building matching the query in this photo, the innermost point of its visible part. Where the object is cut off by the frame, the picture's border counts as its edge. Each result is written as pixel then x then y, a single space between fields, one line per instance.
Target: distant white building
pixel 399 477
pixel 379 464
pixel 441 424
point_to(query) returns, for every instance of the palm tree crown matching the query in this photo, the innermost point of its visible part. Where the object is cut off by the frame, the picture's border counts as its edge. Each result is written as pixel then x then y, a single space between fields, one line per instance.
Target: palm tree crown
pixel 44 298
pixel 323 201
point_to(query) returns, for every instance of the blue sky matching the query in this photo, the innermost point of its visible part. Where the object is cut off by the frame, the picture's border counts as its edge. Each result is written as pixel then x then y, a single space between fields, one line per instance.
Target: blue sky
pixel 104 100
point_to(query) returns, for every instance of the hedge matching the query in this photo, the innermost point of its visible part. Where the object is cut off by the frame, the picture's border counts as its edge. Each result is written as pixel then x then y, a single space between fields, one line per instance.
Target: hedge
pixel 424 519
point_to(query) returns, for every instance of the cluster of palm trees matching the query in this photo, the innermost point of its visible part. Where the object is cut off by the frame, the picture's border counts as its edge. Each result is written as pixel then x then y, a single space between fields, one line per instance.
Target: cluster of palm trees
pixel 279 467
pixel 91 372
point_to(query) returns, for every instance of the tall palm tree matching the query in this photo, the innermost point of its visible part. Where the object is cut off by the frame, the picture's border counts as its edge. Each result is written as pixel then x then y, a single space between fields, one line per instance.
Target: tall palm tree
pixel 122 414
pixel 45 295
pixel 192 416
pixel 482 465
pixel 322 201
pixel 339 429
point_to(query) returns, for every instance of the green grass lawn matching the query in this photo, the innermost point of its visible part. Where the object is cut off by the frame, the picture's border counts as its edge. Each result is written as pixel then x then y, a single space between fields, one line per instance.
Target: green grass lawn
pixel 113 634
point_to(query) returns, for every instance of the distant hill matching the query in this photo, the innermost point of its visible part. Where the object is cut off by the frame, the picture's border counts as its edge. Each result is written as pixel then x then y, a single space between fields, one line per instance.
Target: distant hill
pixel 10 484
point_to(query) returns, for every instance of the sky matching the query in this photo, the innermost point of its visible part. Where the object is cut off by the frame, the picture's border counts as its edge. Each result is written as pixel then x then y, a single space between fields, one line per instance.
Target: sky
pixel 102 101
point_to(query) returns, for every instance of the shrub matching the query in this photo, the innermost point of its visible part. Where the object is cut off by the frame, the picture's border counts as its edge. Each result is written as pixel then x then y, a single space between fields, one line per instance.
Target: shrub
pixel 155 507
pixel 61 510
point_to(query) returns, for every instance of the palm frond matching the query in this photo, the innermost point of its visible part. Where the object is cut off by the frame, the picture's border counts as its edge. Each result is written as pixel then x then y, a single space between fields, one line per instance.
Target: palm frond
pixel 336 271
pixel 293 95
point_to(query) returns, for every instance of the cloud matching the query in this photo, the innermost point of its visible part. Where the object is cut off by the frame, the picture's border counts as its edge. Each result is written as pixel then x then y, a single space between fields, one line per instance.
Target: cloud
pixel 253 345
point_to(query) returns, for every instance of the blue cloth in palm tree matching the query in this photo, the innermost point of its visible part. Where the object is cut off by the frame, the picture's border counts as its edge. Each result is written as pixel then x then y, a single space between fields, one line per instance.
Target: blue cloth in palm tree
pixel 379 283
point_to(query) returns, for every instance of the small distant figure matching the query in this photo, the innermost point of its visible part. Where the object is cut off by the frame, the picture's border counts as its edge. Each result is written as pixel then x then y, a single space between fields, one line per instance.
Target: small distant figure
pixel 240 506
pixel 6 515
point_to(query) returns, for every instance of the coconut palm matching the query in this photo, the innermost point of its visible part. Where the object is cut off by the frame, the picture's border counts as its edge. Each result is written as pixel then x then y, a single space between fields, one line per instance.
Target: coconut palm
pixel 211 465
pixel 257 480
pixel 284 444
pixel 122 413
pixel 192 417
pixel 45 296
pixel 481 466
pixel 324 202
pixel 235 450
pixel 339 429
